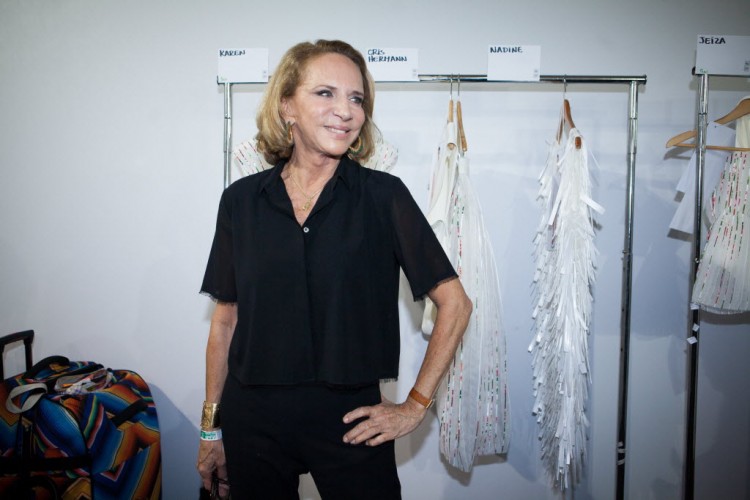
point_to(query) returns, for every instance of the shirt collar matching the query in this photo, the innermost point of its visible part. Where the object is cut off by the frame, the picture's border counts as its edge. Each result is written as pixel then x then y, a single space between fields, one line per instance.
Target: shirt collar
pixel 346 170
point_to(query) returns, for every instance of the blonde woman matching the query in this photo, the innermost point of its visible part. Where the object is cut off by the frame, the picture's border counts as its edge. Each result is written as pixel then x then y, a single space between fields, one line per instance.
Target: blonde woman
pixel 304 269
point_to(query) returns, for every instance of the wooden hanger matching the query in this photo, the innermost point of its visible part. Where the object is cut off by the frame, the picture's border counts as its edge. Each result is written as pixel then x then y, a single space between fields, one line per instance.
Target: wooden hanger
pixel 450 104
pixel 679 139
pixel 461 134
pixel 567 120
pixel 742 109
pixel 460 119
pixel 451 145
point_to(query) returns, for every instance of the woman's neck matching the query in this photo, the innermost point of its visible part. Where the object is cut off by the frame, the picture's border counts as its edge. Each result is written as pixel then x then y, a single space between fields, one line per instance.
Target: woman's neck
pixel 311 169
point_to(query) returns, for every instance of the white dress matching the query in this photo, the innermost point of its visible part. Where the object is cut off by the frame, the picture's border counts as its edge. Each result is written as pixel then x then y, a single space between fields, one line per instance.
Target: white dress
pixel 566 263
pixel 444 172
pixel 472 400
pixel 713 164
pixel 722 283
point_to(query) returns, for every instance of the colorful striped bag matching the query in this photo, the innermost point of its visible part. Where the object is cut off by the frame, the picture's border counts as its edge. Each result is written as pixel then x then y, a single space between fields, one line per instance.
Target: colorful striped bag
pixel 77 430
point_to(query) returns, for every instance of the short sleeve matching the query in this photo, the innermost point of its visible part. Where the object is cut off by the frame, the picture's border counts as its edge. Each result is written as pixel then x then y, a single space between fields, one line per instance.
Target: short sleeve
pixel 219 279
pixel 417 248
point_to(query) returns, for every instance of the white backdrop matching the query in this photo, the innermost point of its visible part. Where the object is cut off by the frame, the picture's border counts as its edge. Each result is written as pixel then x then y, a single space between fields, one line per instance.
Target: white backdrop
pixel 111 171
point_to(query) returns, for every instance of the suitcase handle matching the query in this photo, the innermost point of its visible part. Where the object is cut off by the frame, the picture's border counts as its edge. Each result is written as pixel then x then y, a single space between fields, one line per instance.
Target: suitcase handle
pixel 27 337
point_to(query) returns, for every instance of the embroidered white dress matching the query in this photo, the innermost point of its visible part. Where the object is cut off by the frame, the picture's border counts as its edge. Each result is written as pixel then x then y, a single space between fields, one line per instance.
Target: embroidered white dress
pixel 713 164
pixel 444 171
pixel 722 283
pixel 472 400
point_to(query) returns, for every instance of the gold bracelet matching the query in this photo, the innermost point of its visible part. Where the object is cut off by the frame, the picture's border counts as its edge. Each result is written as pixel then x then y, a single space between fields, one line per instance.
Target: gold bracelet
pixel 419 398
pixel 210 416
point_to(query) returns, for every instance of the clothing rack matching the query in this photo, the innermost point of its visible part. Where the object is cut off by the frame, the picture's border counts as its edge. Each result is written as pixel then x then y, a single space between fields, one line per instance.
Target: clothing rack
pixel 695 313
pixel 627 264
pixel 634 81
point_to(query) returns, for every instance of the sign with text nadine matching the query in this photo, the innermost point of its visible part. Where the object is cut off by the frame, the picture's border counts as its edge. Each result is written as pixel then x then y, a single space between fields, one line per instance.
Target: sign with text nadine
pixel 516 63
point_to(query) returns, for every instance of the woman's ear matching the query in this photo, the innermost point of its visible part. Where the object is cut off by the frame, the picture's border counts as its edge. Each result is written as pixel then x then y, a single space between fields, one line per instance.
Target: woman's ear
pixel 287 110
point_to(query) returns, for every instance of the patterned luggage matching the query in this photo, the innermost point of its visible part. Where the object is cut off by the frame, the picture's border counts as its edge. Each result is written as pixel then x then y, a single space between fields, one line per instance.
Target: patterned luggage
pixel 77 430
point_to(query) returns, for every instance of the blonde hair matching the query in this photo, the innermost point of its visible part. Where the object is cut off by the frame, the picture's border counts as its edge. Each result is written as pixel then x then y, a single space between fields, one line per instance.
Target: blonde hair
pixel 272 138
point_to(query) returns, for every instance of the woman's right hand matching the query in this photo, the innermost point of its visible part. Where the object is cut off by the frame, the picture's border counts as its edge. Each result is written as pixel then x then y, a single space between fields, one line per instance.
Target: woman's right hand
pixel 211 458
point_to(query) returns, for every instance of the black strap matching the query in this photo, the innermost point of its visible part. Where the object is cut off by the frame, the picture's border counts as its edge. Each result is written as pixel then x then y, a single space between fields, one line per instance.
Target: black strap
pixel 18 465
pixel 129 412
pixel 60 360
pixel 45 363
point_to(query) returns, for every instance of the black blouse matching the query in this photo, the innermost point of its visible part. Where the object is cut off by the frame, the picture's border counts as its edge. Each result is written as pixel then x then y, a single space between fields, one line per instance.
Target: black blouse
pixel 319 302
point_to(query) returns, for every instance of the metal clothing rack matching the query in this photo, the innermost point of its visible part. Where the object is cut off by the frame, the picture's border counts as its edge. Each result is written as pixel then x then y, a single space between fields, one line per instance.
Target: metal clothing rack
pixel 695 313
pixel 633 83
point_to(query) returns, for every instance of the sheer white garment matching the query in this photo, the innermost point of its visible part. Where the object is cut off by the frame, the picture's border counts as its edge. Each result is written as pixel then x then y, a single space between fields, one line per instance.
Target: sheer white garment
pixel 565 271
pixel 713 164
pixel 444 174
pixel 472 400
pixel 722 283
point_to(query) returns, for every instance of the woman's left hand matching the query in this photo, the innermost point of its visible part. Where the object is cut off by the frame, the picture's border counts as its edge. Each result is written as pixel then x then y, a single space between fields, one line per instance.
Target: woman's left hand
pixel 383 422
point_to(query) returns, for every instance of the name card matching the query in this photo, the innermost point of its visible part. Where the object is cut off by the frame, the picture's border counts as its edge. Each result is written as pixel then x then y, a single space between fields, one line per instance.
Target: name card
pixel 393 65
pixel 243 66
pixel 518 63
pixel 723 55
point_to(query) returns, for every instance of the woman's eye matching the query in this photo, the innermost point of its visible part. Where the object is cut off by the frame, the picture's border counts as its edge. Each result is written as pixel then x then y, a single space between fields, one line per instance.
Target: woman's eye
pixel 325 93
pixel 357 99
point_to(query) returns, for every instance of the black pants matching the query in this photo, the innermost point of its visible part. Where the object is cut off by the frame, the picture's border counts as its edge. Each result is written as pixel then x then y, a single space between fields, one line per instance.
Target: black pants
pixel 272 434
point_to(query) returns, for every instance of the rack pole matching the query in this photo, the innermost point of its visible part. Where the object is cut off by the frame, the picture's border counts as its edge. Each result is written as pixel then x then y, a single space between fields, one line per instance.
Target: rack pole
pixel 695 316
pixel 627 280
pixel 227 132
pixel 542 79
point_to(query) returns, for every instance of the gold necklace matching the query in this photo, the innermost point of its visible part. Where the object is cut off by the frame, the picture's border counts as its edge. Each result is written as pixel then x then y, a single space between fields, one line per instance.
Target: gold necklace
pixel 307 205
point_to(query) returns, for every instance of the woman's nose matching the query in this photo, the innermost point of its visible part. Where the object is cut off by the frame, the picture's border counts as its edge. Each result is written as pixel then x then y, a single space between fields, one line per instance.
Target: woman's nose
pixel 343 108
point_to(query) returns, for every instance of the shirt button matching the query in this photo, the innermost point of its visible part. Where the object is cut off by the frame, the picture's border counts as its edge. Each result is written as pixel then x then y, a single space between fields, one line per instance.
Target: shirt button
pixel 306 229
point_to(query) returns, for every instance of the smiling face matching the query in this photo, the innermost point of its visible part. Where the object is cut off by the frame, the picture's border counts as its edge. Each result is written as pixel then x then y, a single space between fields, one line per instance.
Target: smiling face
pixel 326 109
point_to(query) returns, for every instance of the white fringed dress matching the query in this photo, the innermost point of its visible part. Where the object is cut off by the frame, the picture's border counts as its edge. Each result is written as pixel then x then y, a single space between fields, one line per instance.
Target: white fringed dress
pixel 565 269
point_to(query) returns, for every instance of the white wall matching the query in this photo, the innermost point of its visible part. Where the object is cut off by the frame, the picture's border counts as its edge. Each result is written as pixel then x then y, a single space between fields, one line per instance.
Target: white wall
pixel 111 170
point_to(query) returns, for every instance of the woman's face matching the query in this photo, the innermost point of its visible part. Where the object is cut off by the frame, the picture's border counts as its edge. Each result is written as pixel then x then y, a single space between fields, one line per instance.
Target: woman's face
pixel 326 108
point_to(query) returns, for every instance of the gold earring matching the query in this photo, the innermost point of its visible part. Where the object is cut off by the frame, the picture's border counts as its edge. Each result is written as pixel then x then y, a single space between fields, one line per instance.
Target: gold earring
pixel 289 135
pixel 358 148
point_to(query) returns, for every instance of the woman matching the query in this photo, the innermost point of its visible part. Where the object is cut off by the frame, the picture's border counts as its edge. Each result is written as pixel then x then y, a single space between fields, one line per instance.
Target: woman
pixel 305 271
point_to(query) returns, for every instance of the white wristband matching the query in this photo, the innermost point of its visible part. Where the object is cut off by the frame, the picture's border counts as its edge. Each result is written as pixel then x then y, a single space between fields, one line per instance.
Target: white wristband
pixel 211 435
